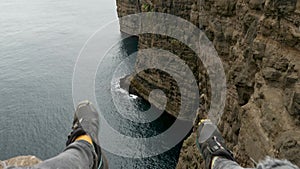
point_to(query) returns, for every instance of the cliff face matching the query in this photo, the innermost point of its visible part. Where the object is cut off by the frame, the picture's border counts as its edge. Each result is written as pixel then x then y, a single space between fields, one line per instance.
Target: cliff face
pixel 259 44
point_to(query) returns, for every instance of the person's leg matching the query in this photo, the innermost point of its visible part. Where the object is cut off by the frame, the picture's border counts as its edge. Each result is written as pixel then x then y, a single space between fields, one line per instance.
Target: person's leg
pixel 86 123
pixel 212 147
pixel 276 164
pixel 223 163
pixel 78 155
pixel 83 150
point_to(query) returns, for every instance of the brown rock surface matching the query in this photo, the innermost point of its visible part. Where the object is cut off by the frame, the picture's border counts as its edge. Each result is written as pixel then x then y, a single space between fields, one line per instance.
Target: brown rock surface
pixel 259 44
pixel 21 161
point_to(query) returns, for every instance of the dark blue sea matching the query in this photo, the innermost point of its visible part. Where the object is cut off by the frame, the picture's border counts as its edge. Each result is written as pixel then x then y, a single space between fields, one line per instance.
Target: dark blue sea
pixel 40 41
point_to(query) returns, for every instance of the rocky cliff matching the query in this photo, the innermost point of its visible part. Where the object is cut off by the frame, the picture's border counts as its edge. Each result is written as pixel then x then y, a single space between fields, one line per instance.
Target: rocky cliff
pixel 259 44
pixel 21 161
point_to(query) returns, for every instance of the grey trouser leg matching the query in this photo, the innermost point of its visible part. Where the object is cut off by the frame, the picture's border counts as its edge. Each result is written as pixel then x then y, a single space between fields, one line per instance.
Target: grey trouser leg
pixel 78 155
pixel 221 163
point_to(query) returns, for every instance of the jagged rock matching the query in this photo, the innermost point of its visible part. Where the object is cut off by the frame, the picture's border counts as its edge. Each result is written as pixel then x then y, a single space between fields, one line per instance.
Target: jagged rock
pixel 288 145
pixel 280 7
pixel 271 74
pixel 295 105
pixel 281 64
pixel 293 78
pixel 189 157
pixel 21 161
pixel 256 4
pixel 224 7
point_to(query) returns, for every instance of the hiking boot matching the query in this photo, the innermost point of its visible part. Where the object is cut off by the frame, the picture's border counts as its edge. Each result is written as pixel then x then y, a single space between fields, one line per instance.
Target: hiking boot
pixel 86 121
pixel 211 143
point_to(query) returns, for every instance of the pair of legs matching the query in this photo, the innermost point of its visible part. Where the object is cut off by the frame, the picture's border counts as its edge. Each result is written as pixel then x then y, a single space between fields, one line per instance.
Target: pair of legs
pixel 83 149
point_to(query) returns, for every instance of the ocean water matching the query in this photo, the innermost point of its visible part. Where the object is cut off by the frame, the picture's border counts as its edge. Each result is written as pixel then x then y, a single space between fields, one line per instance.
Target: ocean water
pixel 39 43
